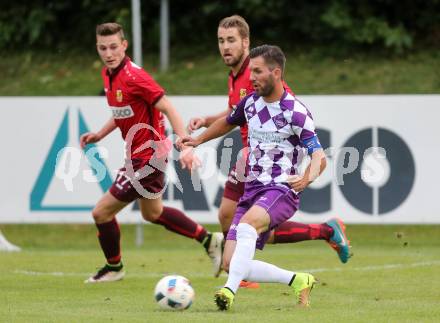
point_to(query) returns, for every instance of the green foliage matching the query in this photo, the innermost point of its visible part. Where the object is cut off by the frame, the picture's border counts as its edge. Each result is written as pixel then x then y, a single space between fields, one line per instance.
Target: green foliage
pixel 394 25
pixel 363 28
pixel 24 26
pixel 41 24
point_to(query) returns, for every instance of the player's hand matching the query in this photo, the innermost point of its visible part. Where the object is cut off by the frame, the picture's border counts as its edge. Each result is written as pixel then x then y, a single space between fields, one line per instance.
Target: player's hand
pixel 189 141
pixel 196 123
pixel 88 138
pixel 297 183
pixel 188 160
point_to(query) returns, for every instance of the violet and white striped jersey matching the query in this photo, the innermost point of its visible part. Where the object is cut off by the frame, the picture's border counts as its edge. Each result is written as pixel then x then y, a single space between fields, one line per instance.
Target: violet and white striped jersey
pixel 280 134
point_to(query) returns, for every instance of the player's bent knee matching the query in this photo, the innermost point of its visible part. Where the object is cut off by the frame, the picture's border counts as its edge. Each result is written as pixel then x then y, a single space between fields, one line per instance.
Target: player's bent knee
pixel 259 222
pixel 225 216
pixel 99 216
pixel 152 215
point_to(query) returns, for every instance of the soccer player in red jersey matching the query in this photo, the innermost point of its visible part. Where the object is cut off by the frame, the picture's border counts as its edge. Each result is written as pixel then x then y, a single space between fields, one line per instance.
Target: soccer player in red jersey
pixel 233 41
pixel 138 105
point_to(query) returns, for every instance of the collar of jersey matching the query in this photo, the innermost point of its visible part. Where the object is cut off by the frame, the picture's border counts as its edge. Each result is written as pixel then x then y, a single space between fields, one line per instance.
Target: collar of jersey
pixel 282 103
pixel 120 67
pixel 242 69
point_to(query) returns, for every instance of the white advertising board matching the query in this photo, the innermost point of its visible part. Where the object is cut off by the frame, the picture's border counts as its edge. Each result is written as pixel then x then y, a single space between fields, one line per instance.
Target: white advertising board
pixel 382 160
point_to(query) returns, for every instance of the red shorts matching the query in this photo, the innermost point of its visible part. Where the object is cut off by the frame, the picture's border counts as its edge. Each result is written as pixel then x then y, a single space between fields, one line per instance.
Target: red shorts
pixel 234 188
pixel 123 189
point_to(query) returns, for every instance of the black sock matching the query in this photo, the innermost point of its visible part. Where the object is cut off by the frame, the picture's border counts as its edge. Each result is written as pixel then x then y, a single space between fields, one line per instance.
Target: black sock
pixel 293 278
pixel 206 241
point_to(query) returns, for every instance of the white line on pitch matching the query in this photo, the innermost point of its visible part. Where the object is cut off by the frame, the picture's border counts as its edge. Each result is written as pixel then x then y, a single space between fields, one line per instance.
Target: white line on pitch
pixel 377 267
pixel 201 275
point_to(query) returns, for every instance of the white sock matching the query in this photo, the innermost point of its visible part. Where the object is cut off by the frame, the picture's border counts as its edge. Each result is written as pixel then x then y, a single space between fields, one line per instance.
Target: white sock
pixel 243 254
pixel 264 272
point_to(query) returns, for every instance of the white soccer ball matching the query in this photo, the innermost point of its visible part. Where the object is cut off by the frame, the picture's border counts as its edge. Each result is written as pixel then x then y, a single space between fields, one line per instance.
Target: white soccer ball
pixel 174 292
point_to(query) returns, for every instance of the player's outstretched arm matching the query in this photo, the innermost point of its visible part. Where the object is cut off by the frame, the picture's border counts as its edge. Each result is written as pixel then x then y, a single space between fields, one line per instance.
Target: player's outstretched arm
pixel 317 165
pixel 219 128
pixel 92 137
pixel 197 123
pixel 165 106
pixel 187 159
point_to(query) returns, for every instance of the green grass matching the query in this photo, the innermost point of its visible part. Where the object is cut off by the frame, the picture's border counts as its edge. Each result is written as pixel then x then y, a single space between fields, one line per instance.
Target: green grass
pixel 393 277
pixel 308 72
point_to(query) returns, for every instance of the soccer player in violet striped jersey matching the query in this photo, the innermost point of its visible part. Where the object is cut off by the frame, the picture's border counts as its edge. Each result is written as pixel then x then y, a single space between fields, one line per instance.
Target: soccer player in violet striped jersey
pixel 280 128
pixel 138 105
pixel 233 41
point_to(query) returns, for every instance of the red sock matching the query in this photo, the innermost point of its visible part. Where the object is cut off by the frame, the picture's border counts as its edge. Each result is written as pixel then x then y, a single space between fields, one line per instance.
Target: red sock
pixel 176 221
pixel 295 232
pixel 109 237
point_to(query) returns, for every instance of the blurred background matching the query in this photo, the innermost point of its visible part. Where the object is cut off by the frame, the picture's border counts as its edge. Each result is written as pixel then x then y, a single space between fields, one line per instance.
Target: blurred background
pixel 332 47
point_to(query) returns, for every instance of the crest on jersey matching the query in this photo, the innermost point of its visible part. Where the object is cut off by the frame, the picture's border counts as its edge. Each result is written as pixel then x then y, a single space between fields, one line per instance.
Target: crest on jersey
pixel 242 93
pixel 119 96
pixel 279 120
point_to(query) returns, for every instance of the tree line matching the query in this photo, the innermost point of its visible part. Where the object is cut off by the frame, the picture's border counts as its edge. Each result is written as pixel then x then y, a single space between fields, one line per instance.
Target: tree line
pixel 391 25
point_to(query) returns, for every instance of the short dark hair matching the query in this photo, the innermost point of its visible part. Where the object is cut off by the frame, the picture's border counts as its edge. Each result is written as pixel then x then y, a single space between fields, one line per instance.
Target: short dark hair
pixel 110 28
pixel 272 55
pixel 238 22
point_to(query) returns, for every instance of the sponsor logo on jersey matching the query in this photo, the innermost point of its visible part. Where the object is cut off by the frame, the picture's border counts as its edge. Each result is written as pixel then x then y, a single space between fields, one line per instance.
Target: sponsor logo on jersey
pixel 119 96
pixel 265 137
pixel 242 93
pixel 122 112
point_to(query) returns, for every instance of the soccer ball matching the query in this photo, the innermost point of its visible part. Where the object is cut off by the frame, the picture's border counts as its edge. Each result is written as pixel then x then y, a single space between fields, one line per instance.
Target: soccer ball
pixel 174 293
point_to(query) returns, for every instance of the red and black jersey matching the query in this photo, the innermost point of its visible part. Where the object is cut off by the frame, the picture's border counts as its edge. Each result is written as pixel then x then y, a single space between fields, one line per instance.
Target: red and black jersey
pixel 131 95
pixel 239 86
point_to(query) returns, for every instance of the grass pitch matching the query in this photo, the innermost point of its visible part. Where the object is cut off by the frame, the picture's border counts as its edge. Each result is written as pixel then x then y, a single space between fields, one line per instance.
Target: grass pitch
pixel 393 277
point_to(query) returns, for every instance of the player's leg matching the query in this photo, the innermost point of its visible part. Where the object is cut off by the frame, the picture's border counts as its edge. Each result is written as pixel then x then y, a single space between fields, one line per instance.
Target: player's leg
pixel 234 189
pixel 253 222
pixel 332 231
pixel 238 254
pixel 227 253
pixel 176 221
pixel 104 215
pixel 172 219
pixel 291 232
pixel 226 213
pixel 242 266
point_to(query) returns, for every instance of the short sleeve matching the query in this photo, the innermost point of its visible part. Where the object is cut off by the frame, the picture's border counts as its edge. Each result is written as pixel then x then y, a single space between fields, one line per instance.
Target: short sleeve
pixel 147 88
pixel 237 115
pixel 304 127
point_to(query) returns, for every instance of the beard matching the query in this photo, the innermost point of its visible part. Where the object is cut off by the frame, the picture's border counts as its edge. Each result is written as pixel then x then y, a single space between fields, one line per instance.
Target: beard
pixel 267 89
pixel 234 61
